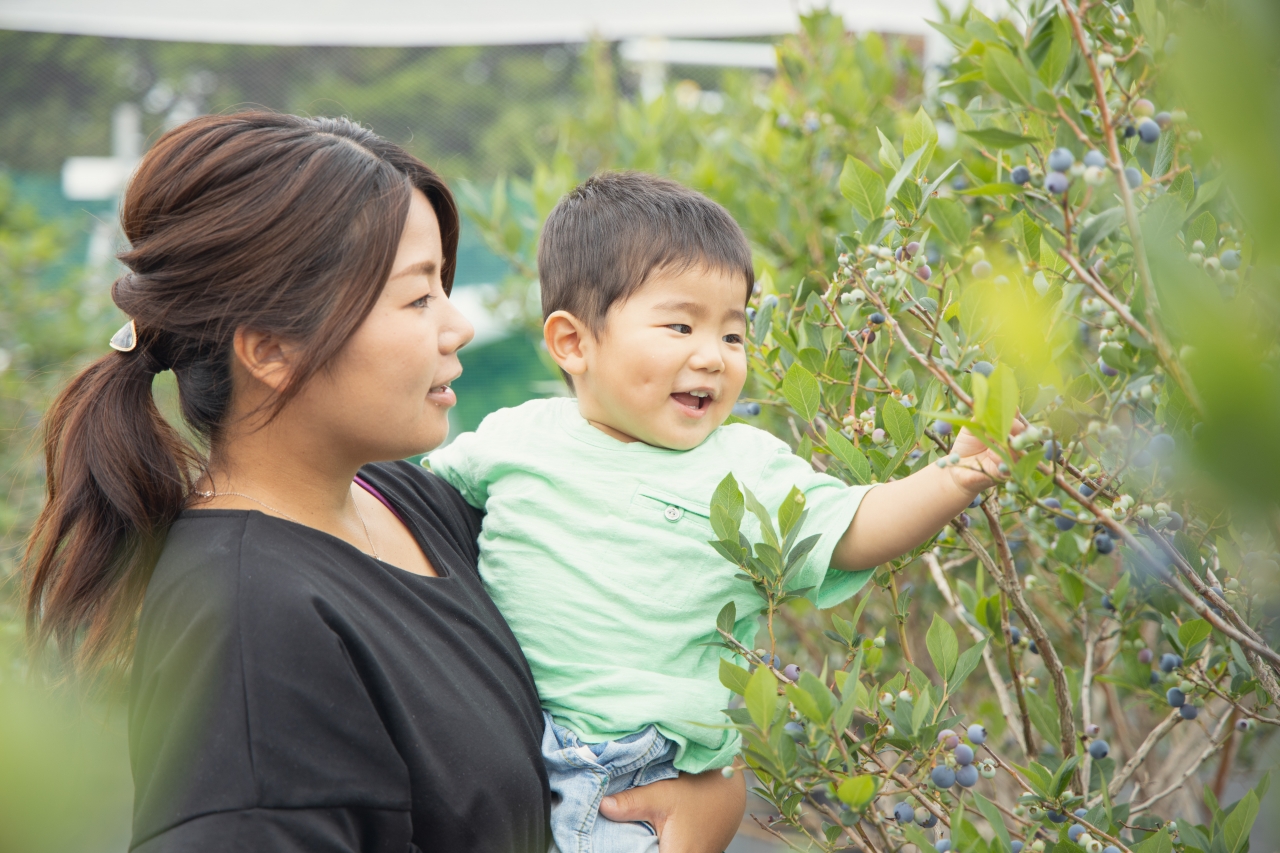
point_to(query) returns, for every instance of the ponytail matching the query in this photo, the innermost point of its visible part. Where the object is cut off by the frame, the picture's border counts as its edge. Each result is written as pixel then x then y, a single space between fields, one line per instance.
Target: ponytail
pixel 117 474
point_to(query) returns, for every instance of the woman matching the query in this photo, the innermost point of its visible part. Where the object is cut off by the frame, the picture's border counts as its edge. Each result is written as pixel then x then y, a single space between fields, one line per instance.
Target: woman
pixel 316 666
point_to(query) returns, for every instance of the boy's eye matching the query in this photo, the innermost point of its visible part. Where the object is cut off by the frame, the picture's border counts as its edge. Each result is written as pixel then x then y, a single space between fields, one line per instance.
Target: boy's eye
pixel 682 328
pixel 733 339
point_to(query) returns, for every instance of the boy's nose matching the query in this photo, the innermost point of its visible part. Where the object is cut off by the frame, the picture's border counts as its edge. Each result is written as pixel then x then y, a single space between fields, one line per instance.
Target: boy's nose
pixel 708 357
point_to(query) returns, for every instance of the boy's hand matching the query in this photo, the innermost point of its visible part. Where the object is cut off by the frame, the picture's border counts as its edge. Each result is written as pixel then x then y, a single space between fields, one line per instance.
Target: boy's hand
pixel 979 464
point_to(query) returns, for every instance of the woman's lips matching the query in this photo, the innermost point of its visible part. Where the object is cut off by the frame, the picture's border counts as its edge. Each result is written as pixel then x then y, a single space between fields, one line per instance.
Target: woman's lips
pixel 442 395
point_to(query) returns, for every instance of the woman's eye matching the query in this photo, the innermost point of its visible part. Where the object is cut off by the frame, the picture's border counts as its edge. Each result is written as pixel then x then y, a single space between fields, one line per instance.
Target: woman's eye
pixel 682 328
pixel 421 301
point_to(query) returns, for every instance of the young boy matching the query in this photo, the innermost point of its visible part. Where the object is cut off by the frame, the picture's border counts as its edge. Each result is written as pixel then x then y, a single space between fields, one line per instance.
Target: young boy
pixel 595 538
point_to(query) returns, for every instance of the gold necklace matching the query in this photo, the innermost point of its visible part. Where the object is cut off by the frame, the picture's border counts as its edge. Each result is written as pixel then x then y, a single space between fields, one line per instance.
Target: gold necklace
pixel 359 514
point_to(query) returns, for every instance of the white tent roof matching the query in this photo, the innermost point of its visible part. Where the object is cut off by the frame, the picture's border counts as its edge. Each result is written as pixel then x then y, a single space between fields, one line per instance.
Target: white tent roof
pixel 431 22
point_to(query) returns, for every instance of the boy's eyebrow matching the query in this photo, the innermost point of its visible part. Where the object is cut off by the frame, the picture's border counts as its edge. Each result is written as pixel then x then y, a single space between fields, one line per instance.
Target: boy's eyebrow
pixel 697 310
pixel 421 268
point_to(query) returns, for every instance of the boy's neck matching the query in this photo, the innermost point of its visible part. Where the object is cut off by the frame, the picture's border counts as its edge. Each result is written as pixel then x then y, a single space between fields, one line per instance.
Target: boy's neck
pixel 612 432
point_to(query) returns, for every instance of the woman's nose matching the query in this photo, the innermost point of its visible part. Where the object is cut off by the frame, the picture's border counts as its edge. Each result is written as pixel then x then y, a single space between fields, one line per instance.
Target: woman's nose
pixel 456 330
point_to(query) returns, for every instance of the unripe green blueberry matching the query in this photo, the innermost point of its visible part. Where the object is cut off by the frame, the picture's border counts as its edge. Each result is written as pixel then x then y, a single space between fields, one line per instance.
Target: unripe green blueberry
pixel 1105 61
pixel 878 642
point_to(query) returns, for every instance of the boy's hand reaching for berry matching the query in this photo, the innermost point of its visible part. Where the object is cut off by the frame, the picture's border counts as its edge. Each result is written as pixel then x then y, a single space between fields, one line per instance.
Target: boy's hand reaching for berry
pixel 896 517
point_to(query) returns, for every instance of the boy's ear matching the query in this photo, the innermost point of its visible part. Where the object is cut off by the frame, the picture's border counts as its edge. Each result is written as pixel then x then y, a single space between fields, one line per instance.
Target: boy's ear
pixel 568 340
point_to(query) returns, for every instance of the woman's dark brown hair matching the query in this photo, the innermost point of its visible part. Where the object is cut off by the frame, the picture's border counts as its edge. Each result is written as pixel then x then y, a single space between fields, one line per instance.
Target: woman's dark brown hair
pixel 273 222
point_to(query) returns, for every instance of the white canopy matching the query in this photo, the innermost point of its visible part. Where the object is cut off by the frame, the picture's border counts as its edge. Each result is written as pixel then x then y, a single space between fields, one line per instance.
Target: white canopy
pixel 431 22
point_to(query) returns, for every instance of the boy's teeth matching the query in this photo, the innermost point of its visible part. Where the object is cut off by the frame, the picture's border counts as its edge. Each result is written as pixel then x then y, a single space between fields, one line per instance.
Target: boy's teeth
pixel 700 393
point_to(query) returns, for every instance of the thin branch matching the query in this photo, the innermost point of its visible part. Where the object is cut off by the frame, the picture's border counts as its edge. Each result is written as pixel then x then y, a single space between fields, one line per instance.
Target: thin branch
pixel 1215 743
pixel 1131 766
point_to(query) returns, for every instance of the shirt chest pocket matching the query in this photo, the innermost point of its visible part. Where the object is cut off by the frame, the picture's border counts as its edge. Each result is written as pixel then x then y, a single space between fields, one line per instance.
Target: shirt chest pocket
pixel 673 512
pixel 683 564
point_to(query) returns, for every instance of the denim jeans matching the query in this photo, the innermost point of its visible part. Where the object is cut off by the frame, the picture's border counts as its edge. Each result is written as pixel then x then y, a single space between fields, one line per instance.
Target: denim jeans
pixel 582 775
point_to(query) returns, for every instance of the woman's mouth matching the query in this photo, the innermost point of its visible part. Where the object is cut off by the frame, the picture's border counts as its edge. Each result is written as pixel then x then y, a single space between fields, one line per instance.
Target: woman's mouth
pixel 442 395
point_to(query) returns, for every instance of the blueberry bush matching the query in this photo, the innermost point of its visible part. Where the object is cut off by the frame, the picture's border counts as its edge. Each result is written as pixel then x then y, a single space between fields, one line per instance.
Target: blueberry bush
pixel 1060 245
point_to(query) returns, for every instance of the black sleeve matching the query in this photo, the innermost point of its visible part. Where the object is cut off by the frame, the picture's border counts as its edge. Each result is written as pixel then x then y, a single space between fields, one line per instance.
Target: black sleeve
pixel 249 727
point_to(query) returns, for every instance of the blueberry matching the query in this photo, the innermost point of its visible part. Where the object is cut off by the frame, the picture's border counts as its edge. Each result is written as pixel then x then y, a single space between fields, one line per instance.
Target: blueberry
pixel 964 755
pixel 876 319
pixel 1130 131
pixel 912 249
pixel 1075 832
pixel 1095 158
pixel 1020 175
pixel 1189 712
pixel 903 813
pixel 1230 259
pixel 1033 648
pixel 1155 677
pixel 1111 848
pixel 1142 459
pixel 1169 662
pixel 1052 503
pixel 924 272
pixel 982 269
pixel 746 409
pixel 794 730
pixel 1175 522
pixel 1015 636
pixel 1103 544
pixel 944 734
pixel 1145 656
pixel 1164 119
pixel 976 502
pixel 930 819
pixel 977 734
pixel 1107 603
pixel 943 776
pixel 942 427
pixel 791 671
pixel 1056 183
pixel 751 314
pixel 967 776
pixel 1052 450
pixel 1161 444
pixel 1063 523
pixel 1087 490
pixel 776 662
pixel 942 845
pixel 1133 177
pixel 1244 725
pixel 1060 159
pixel 770 301
pixel 986 368
pixel 1018 845
pixel 1107 370
pixel 869 336
pixel 959 182
pixel 1057 817
pixel 1148 131
pixel 1176 697
pixel 1092 730
pixel 1099 749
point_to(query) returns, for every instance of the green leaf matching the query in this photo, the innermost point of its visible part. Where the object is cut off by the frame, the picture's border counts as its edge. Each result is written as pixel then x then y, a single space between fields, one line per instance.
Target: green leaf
pixel 967 663
pixel 920 135
pixel 863 187
pixel 1002 401
pixel 1194 631
pixel 1062 776
pixel 1161 220
pixel 1038 777
pixel 726 509
pixel 761 696
pixel 952 220
pixel 802 391
pixel 1005 73
pixel 992 190
pixel 849 694
pixel 851 456
pixel 897 420
pixel 995 137
pixel 734 677
pixel 904 172
pixel 917 837
pixel 791 510
pixel 726 618
pixel 1205 229
pixel 1057 57
pixel 943 646
pixel 856 792
pixel 888 153
pixel 766 523
pixel 1072 587
pixel 1164 154
pixel 1028 234
pixel 979 390
pixel 1044 716
pixel 1098 228
pixel 1158 843
pixel 993 816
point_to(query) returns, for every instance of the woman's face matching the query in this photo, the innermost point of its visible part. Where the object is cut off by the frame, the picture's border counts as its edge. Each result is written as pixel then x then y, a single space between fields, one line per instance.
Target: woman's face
pixel 387 395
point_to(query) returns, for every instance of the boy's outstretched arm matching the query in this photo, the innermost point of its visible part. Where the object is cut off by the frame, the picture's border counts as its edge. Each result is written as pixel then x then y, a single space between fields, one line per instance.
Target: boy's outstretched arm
pixel 896 517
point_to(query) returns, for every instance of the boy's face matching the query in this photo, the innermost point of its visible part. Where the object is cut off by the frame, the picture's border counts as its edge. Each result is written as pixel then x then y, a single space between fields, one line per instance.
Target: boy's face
pixel 670 362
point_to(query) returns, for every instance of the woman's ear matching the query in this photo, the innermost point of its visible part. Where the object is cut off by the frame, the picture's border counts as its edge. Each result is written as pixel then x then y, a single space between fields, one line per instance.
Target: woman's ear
pixel 264 357
pixel 568 340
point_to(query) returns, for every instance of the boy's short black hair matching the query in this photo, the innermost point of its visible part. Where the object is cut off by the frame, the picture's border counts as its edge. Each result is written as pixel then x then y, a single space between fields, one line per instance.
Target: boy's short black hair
pixel 606 237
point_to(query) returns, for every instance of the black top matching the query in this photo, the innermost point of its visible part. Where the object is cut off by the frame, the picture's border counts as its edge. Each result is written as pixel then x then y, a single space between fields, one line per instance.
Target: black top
pixel 291 693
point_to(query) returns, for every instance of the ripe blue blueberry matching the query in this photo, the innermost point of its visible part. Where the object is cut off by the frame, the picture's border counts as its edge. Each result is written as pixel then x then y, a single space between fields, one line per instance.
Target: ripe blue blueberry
pixel 1148 131
pixel 1080 812
pixel 1063 523
pixel 743 410
pixel 1099 749
pixel 929 822
pixel 1161 444
pixel 977 734
pixel 1133 177
pixel 976 502
pixel 1103 544
pixel 1056 183
pixel 1020 175
pixel 1111 848
pixel 924 272
pixel 943 776
pixel 1142 459
pixel 1060 159
pixel 794 730
pixel 1230 259
pixel 964 755
pixel 1107 370
pixel 776 662
pixel 986 368
pixel 903 813
pixel 791 671
pixel 1057 817
pixel 1189 712
pixel 1033 648
pixel 1052 503
pixel 770 301
pixel 751 313
pixel 1015 636
pixel 1145 656
pixel 967 776
pixel 1075 831
pixel 943 845
pixel 876 318
pixel 1107 603
pixel 1176 697
pixel 1130 131
pixel 1095 158
pixel 1175 522
pixel 1086 490
pixel 1052 450
pixel 942 427
pixel 1018 845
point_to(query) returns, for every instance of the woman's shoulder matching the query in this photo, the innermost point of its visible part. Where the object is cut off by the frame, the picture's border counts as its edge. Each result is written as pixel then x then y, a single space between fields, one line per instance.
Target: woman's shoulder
pixel 435 505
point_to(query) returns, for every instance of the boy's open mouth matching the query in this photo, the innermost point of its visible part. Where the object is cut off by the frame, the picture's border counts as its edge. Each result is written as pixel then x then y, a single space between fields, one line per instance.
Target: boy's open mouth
pixel 694 400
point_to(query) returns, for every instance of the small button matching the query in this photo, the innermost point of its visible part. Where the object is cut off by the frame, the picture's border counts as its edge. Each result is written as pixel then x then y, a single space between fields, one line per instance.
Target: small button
pixel 673 513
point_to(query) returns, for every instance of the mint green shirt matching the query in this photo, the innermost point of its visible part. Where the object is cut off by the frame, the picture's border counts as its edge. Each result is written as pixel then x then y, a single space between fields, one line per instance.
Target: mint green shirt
pixel 596 552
